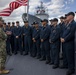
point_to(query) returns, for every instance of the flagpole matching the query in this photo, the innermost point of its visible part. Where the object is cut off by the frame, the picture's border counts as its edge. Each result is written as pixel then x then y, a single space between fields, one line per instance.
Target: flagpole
pixel 25 10
pixel 28 10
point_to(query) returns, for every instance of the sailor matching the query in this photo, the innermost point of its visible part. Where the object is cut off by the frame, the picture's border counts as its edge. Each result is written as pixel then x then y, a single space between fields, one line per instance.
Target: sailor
pixel 68 38
pixel 61 21
pixel 32 27
pixel 65 64
pixel 12 38
pixel 27 32
pixel 17 32
pixel 55 44
pixel 61 25
pixel 8 41
pixel 36 41
pixel 45 46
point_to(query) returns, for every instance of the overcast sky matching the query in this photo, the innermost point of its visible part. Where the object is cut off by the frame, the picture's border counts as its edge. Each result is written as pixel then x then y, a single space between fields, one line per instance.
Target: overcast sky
pixel 56 8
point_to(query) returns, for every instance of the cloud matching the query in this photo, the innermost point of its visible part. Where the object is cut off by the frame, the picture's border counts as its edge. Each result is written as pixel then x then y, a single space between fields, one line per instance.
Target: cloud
pixel 18 12
pixel 33 4
pixel 69 2
pixel 15 15
pixel 4 2
pixel 55 8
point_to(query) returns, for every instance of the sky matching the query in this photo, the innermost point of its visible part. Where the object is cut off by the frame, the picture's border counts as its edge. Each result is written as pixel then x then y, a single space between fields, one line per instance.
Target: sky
pixel 56 8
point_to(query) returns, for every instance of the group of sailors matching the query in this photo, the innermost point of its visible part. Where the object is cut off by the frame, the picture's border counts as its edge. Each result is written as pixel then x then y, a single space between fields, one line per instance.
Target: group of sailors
pixel 44 42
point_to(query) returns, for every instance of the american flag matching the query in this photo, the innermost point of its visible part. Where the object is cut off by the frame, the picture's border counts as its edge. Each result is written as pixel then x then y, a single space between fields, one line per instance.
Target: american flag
pixel 6 12
pixel 22 2
pixel 12 6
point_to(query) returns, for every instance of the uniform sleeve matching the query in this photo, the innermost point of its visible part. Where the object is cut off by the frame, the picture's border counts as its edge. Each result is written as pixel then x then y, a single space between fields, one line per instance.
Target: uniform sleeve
pixel 20 32
pixel 3 36
pixel 61 30
pixel 71 34
pixel 14 33
pixel 41 34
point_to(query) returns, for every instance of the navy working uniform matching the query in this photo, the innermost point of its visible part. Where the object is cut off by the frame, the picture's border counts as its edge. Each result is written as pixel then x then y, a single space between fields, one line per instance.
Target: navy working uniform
pixel 65 64
pixel 45 46
pixel 8 41
pixel 55 45
pixel 61 25
pixel 12 38
pixel 54 40
pixel 27 32
pixel 32 28
pixel 17 31
pixel 23 46
pixel 36 42
pixel 69 36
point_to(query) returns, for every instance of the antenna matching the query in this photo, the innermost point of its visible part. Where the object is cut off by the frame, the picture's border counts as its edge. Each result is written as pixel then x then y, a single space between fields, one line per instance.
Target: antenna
pixel 41 4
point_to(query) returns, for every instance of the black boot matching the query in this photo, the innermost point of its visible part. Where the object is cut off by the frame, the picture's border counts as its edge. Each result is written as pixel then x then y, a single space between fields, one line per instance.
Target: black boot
pixel 42 59
pixel 51 63
pixel 55 66
pixel 63 67
pixel 38 57
pixel 70 72
pixel 21 53
pixel 15 53
pixel 9 54
pixel 47 62
pixel 25 54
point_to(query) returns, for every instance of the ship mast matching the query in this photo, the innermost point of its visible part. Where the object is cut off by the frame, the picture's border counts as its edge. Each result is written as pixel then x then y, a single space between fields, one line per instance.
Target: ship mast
pixel 41 12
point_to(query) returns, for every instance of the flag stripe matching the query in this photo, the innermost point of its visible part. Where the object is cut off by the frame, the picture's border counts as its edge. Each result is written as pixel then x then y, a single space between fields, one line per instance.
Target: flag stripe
pixel 24 3
pixel 5 12
pixel 21 1
pixel 12 6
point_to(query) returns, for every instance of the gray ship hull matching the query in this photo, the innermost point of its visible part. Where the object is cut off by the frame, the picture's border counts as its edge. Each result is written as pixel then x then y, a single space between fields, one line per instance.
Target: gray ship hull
pixel 31 18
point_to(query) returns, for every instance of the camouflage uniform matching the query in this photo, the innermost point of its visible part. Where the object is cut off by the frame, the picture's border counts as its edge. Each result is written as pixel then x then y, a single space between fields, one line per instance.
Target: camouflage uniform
pixel 3 54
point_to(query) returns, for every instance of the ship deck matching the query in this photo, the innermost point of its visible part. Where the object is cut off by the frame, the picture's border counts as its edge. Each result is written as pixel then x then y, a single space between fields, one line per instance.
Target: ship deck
pixel 26 65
